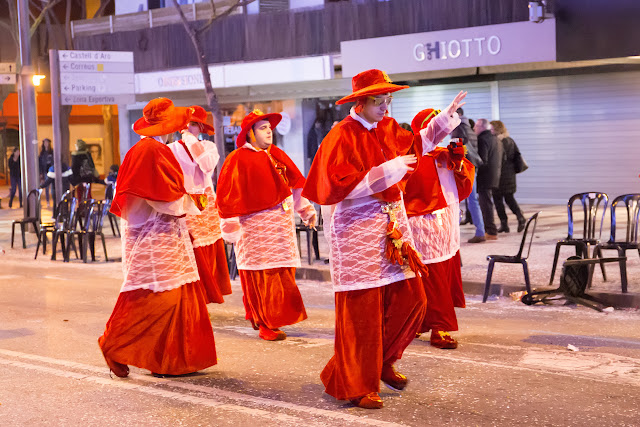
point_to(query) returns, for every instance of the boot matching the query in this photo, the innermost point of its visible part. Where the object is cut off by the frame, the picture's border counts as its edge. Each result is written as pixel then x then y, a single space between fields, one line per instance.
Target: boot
pixel 504 227
pixel 521 223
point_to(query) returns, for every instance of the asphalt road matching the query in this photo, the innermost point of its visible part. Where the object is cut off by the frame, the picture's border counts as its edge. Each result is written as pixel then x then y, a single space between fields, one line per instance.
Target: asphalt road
pixel 512 366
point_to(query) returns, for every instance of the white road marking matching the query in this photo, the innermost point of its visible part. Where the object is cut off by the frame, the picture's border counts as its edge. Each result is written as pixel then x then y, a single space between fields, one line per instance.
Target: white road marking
pixel 212 391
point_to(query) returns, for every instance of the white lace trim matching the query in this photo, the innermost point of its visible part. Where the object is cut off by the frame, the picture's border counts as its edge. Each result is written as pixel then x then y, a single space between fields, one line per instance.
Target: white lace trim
pixel 357 244
pixel 437 235
pixel 157 254
pixel 268 239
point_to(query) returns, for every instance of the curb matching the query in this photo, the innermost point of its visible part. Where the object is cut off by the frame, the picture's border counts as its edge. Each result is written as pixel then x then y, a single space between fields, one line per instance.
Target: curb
pixel 618 300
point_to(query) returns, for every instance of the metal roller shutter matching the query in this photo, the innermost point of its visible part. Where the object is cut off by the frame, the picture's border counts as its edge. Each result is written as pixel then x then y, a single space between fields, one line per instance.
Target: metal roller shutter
pixel 407 103
pixel 577 133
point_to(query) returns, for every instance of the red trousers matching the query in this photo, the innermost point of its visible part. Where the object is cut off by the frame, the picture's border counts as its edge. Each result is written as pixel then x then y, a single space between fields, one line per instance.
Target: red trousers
pixel 165 332
pixel 443 288
pixel 213 271
pixel 271 297
pixel 373 327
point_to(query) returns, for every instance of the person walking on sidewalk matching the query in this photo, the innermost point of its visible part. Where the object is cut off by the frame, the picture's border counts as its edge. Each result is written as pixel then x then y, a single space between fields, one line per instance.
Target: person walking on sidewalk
pixel 469 138
pixel 15 176
pixel 490 151
pixel 258 191
pixel 507 188
pixel 160 321
pixel 358 176
pixel 434 191
pixel 198 160
pixel 45 161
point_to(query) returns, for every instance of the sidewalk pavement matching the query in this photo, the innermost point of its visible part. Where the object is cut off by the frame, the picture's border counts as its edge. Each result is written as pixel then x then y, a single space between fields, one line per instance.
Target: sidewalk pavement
pixel 507 278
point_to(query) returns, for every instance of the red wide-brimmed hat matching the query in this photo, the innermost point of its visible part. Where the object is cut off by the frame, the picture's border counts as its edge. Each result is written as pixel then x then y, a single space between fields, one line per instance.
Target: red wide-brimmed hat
pixel 199 115
pixel 161 117
pixel 370 83
pixel 251 119
pixel 422 119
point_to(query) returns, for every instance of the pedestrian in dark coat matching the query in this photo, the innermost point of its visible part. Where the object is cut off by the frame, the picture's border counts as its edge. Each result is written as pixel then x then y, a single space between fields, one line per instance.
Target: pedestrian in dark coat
pixel 15 176
pixel 490 151
pixel 45 161
pixel 507 187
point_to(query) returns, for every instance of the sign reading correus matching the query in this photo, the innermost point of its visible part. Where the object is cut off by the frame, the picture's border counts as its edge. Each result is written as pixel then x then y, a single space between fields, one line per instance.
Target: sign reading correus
pixel 513 43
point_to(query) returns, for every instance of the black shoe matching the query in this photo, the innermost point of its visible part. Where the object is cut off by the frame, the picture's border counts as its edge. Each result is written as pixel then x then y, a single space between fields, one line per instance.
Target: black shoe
pixel 503 229
pixel 521 223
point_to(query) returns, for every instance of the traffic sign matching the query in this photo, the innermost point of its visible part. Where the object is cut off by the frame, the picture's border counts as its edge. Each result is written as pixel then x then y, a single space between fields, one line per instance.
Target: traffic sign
pixel 95 77
pixel 7 79
pixel 8 67
pixel 94 56
pixel 98 99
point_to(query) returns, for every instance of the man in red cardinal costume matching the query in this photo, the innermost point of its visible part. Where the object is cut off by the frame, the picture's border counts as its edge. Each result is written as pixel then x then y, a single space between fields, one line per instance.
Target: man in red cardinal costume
pixel 432 200
pixel 198 160
pixel 358 176
pixel 258 191
pixel 160 321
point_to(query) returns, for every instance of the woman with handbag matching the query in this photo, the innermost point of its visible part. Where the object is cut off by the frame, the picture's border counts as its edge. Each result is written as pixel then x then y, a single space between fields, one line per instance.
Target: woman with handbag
pixel 512 163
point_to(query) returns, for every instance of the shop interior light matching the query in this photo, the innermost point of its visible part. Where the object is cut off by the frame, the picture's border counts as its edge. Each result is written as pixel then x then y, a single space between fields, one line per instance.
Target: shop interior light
pixel 37 78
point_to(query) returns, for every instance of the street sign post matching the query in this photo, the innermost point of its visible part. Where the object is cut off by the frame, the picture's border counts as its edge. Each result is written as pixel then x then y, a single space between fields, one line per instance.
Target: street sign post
pixel 8 67
pixel 7 79
pixel 95 77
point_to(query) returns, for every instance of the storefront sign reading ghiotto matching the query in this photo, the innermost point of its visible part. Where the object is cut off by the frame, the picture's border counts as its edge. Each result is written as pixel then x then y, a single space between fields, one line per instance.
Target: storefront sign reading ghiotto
pixel 452 49
pixel 503 44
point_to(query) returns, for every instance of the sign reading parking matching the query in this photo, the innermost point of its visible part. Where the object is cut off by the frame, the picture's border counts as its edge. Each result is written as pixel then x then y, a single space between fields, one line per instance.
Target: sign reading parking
pixel 96 77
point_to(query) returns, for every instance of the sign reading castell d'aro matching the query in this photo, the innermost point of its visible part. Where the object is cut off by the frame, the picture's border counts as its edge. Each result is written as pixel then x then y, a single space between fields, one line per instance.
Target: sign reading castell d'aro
pixel 96 77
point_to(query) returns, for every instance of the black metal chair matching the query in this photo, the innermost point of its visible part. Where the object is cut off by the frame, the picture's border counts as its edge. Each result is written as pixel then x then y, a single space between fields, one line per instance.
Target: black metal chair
pixel 66 223
pixel 590 204
pixel 515 259
pixel 98 211
pixel 79 231
pixel 312 237
pixel 632 204
pixel 50 226
pixel 33 217
pixel 113 220
pixel 575 276
pixel 231 262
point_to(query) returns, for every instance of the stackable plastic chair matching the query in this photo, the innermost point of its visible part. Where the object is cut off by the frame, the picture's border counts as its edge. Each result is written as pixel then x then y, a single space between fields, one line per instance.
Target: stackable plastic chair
pixel 527 234
pixel 632 204
pixel 591 202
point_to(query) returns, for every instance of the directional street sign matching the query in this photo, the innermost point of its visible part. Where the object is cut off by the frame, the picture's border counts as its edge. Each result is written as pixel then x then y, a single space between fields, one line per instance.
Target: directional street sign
pixel 8 67
pixel 95 77
pixel 7 79
pixel 98 99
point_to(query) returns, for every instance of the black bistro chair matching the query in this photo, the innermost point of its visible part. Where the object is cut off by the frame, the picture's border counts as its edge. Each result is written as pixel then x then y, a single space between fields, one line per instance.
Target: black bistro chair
pixel 66 223
pixel 632 204
pixel 82 221
pixel 98 212
pixel 514 259
pixel 312 236
pixel 33 217
pixel 590 204
pixel 50 226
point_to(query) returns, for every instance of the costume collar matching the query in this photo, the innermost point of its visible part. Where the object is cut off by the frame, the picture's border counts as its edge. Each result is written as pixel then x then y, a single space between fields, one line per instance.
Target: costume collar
pixel 363 122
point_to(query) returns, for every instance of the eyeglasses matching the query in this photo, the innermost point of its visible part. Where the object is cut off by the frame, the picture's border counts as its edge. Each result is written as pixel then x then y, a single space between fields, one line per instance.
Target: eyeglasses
pixel 379 101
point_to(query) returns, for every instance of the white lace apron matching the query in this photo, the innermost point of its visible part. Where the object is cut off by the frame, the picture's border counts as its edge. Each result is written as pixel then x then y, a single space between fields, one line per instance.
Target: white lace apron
pixel 357 243
pixel 268 239
pixel 437 235
pixel 157 254
pixel 205 228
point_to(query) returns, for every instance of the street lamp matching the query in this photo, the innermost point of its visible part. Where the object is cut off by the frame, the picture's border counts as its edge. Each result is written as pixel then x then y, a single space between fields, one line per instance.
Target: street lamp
pixel 37 78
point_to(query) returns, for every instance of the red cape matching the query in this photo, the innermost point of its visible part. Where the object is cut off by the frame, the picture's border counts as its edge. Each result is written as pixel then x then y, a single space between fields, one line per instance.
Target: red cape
pixel 249 181
pixel 423 193
pixel 348 153
pixel 149 171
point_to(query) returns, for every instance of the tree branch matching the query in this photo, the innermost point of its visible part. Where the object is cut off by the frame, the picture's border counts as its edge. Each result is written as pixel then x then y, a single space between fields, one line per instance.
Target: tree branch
pixel 227 12
pixel 41 16
pixel 102 8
